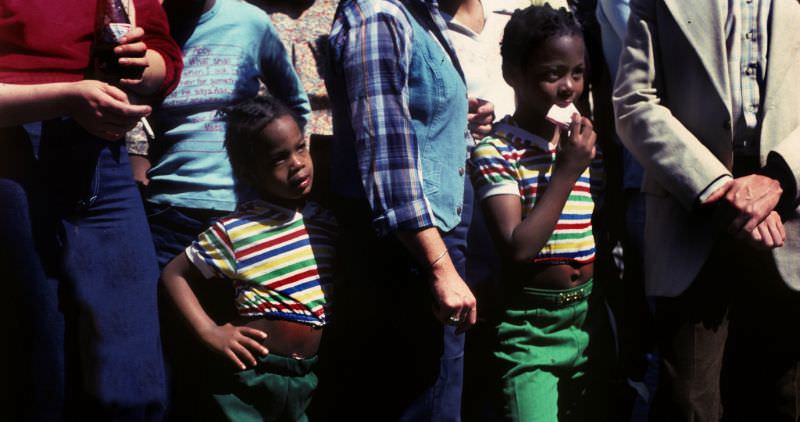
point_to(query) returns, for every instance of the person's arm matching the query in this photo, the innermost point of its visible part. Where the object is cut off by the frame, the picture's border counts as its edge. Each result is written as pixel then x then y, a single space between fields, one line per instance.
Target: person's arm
pixel 374 59
pixel 152 45
pixel 234 342
pixel 665 147
pixel 279 75
pixel 133 52
pixel 522 239
pixel 101 109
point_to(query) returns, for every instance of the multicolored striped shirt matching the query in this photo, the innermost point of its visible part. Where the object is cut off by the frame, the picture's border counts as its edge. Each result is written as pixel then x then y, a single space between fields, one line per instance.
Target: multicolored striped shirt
pixel 280 260
pixel 512 161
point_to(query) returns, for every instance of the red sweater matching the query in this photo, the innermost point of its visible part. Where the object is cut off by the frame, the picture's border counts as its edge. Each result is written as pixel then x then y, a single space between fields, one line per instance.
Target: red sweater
pixel 45 41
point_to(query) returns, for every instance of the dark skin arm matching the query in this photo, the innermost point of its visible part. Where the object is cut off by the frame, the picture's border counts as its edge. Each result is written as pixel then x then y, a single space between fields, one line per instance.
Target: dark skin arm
pixel 236 343
pixel 522 239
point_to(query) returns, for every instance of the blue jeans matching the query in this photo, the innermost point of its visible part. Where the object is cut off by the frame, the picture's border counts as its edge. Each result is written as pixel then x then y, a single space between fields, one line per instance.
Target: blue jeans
pixel 173 229
pixel 98 315
pixel 390 358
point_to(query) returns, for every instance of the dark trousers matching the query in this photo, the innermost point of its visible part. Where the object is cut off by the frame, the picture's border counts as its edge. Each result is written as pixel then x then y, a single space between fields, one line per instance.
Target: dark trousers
pixel 92 318
pixel 173 229
pixel 390 358
pixel 729 344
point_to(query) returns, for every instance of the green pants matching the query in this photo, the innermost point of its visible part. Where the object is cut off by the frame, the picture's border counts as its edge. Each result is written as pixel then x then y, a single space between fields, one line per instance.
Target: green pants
pixel 541 354
pixel 277 389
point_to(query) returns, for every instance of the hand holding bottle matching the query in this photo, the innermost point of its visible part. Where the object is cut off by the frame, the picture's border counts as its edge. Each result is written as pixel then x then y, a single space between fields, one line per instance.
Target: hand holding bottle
pixel 132 57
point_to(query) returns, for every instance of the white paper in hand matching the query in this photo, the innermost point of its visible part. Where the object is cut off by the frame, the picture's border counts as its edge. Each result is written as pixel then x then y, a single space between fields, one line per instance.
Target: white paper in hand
pixel 562 116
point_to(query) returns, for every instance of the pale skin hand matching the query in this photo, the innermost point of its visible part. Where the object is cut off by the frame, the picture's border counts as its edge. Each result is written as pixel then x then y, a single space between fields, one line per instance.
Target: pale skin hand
pixel 101 109
pixel 753 197
pixel 769 234
pixel 480 117
pixel 104 110
pixel 452 296
pixel 235 343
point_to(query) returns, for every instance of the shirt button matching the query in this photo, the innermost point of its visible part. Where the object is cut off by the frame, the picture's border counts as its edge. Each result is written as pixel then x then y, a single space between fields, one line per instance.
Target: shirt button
pixel 750 35
pixel 458 210
pixel 461 171
pixel 750 70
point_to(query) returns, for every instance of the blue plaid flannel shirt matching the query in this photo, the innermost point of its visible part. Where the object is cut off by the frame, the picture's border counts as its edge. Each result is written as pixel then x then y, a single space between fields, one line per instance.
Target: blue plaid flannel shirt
pixel 370 53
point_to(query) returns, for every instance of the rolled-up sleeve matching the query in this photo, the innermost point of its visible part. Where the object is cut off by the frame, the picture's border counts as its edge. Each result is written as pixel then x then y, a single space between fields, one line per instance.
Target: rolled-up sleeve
pixel 373 54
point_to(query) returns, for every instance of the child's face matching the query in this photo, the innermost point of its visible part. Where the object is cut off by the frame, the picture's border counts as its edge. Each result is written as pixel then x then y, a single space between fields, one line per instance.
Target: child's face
pixel 287 172
pixel 554 74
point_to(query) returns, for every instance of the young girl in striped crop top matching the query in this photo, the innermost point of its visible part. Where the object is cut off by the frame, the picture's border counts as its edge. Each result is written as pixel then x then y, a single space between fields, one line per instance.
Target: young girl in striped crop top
pixel 277 251
pixel 534 181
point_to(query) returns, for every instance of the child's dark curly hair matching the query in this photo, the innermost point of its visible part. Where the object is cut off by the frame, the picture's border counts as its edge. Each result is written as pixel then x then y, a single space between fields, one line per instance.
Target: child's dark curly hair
pixel 246 120
pixel 528 28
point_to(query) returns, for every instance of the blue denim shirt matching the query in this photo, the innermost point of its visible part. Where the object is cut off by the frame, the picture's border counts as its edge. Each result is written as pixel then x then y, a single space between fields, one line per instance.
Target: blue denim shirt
pixel 400 115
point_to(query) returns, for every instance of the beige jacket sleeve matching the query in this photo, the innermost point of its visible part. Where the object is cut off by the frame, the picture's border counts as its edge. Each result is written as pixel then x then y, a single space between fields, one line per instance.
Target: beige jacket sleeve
pixel 669 152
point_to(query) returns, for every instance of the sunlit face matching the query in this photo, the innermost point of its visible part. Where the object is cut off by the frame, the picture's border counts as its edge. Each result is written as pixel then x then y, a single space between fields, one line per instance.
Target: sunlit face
pixel 554 74
pixel 286 172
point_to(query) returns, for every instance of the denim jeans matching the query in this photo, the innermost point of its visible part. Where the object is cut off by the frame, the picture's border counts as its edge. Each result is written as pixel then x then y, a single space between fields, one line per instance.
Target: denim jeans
pixel 173 229
pixel 390 358
pixel 96 315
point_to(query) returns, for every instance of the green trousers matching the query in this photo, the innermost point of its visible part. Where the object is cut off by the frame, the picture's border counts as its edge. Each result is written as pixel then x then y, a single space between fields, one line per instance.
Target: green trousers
pixel 541 354
pixel 277 389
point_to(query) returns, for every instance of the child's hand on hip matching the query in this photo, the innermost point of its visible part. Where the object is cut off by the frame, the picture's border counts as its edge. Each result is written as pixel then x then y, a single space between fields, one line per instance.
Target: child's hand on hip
pixel 236 343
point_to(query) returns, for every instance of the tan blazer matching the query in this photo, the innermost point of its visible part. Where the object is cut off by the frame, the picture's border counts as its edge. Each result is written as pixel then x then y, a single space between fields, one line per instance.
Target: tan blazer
pixel 672 103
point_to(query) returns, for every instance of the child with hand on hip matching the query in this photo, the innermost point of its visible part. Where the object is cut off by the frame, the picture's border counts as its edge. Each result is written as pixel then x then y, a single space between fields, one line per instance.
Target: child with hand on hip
pixel 277 251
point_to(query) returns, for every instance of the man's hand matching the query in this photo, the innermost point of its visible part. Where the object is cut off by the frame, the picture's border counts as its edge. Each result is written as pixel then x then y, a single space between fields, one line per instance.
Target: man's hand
pixel 103 110
pixel 132 54
pixel 480 116
pixel 752 197
pixel 769 234
pixel 235 343
pixel 454 302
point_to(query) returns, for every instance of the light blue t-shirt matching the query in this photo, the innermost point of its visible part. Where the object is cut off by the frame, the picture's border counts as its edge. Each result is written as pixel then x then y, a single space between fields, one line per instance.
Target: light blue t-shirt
pixel 233 46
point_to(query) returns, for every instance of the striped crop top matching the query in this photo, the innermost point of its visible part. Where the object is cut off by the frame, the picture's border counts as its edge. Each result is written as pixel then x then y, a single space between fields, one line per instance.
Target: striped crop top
pixel 513 161
pixel 279 260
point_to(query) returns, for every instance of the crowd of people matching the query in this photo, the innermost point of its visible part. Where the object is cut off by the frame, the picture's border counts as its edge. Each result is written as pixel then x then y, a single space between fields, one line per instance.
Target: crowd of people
pixel 415 210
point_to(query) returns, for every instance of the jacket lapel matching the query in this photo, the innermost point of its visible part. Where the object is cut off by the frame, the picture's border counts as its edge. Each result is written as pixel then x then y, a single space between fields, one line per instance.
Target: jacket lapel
pixel 703 25
pixel 784 45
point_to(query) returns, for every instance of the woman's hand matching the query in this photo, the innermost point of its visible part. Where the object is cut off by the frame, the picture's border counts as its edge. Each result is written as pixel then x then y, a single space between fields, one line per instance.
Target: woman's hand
pixel 103 110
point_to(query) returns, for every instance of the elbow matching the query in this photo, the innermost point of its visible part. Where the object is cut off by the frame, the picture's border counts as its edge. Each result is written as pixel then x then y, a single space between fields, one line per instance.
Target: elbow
pixel 522 255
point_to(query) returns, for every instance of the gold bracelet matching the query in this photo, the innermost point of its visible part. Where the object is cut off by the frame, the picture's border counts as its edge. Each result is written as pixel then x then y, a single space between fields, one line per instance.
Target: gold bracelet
pixel 438 258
